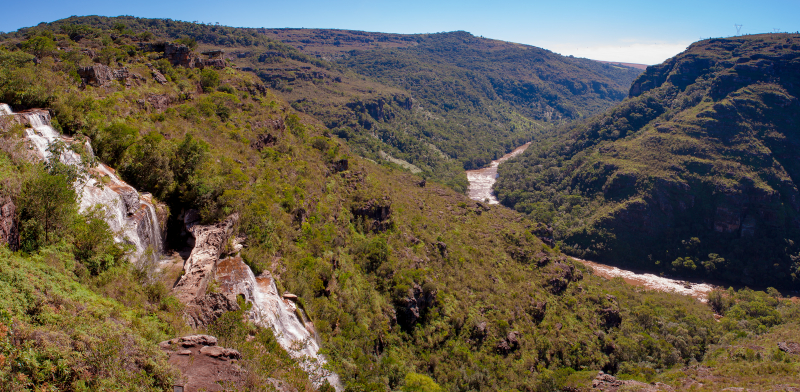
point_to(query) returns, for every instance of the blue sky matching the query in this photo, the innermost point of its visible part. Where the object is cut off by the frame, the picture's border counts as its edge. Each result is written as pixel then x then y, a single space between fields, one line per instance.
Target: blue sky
pixel 633 31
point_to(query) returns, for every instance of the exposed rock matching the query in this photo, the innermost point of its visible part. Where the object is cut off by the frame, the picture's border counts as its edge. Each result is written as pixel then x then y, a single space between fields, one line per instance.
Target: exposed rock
pixel 100 75
pixel 290 297
pixel 481 330
pixel 220 352
pixel 191 290
pixel 131 200
pixel 180 55
pixel 160 78
pixel 442 247
pixel 789 347
pixel 509 344
pixel 561 274
pixel 422 183
pixel 203 365
pixel 9 233
pixel 340 165
pixel 610 317
pixel 376 213
pixel 607 382
pixel 263 140
pixel 413 306
pixel 160 102
pixel 214 63
pixel 537 310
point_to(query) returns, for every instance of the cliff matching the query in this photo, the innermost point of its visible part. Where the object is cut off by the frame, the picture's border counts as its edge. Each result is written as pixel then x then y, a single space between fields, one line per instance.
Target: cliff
pixel 694 174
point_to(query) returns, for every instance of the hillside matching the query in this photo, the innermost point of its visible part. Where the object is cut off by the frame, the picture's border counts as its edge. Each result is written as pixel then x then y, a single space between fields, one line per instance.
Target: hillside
pixel 694 174
pixel 434 103
pixel 408 284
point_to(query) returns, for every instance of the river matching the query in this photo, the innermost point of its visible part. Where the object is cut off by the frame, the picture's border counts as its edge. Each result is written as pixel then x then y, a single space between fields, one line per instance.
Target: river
pixel 481 180
pixel 480 188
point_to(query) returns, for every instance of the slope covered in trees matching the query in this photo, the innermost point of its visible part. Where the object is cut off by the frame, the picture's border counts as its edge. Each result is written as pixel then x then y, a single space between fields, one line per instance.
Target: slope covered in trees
pixel 408 283
pixel 695 173
pixel 442 102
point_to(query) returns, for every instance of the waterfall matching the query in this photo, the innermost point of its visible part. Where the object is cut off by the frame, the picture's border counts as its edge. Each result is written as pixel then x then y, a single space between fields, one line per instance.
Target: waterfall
pixel 131 216
pixel 296 335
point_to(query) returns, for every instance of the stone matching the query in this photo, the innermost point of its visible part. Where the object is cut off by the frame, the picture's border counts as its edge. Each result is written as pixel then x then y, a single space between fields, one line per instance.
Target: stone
pixel 202 306
pixel 509 344
pixel 180 55
pixel 290 297
pixel 263 140
pixel 220 352
pixel 414 305
pixel 97 75
pixel 131 200
pixel 159 77
pixel 789 347
pixel 185 352
pixel 160 102
pixel 377 211
pixel 197 340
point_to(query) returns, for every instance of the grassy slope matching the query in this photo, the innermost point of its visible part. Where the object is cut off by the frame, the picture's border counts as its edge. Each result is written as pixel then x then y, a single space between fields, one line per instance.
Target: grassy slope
pixel 302 221
pixel 704 138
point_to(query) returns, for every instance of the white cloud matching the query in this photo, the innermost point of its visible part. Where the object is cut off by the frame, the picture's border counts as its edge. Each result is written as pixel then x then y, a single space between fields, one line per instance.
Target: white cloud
pixel 629 53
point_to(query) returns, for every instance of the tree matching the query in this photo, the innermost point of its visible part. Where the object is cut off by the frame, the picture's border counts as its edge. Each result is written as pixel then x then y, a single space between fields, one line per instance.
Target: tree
pixel 48 205
pixel 209 79
pixel 420 383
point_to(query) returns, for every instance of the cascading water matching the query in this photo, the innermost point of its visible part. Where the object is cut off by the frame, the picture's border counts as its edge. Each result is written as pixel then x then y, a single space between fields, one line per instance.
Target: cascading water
pixel 132 217
pixel 295 335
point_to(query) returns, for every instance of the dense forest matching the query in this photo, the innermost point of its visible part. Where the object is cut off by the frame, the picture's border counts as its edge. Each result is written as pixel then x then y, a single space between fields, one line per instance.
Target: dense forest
pixel 410 285
pixel 694 174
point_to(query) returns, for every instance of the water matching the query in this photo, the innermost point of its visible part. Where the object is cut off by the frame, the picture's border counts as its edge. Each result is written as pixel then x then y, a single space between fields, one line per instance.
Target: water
pixel 131 216
pixel 5 109
pixel 652 282
pixel 482 180
pixel 294 332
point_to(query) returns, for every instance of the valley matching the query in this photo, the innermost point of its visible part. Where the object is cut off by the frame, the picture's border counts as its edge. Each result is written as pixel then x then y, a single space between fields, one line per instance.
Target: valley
pixel 314 189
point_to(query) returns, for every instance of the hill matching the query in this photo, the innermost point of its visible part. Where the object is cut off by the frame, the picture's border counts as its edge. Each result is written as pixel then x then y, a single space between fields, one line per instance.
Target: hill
pixel 434 103
pixel 693 174
pixel 409 284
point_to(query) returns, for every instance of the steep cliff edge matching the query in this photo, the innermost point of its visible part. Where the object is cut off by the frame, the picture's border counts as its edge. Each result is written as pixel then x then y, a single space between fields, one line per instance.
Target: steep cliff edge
pixel 694 174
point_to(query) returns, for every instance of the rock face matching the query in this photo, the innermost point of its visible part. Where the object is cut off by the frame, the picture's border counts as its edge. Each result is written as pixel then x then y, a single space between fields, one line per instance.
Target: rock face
pixel 789 347
pixel 193 287
pixel 100 75
pixel 180 55
pixel 699 160
pixel 9 234
pixel 375 214
pixel 412 307
pixel 204 366
pixel 509 344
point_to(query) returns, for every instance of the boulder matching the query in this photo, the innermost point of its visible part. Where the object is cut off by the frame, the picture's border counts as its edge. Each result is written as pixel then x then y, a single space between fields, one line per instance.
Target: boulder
pixel 160 102
pixel 100 75
pixel 180 55
pixel 789 347
pixel 220 352
pixel 509 344
pixel 160 78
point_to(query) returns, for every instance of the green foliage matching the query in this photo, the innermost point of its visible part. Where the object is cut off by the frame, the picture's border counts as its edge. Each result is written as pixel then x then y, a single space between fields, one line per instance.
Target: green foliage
pixel 209 79
pixel 47 205
pixel 660 181
pixel 420 383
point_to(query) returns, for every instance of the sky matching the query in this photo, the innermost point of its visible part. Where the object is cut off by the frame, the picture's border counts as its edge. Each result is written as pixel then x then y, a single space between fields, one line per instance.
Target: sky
pixel 645 32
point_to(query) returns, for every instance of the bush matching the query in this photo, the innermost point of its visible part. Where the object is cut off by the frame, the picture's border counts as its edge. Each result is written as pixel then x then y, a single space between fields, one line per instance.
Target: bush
pixel 209 79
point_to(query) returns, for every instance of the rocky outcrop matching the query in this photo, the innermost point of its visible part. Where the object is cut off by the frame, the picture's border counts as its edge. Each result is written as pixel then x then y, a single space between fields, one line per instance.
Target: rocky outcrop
pixel 412 307
pixel 100 75
pixel 202 304
pixel 789 347
pixel 180 55
pixel 375 214
pixel 9 234
pixel 509 344
pixel 263 140
pixel 204 366
pixel 159 102
pixel 560 275
pixel 607 382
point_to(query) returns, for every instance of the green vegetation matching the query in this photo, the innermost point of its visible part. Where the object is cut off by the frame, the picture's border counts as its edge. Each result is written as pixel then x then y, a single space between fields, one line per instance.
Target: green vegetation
pixel 693 175
pixel 410 287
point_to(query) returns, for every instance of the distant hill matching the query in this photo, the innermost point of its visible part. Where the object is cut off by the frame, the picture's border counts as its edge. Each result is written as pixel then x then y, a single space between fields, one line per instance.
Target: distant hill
pixel 695 173
pixel 630 65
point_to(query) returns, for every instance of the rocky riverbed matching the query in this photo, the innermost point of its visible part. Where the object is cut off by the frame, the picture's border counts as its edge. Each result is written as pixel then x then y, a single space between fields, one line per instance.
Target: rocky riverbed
pixel 481 180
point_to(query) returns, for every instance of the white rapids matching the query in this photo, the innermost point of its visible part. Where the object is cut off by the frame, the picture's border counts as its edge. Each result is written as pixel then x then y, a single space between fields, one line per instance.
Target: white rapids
pixel 131 216
pixel 482 180
pixel 651 282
